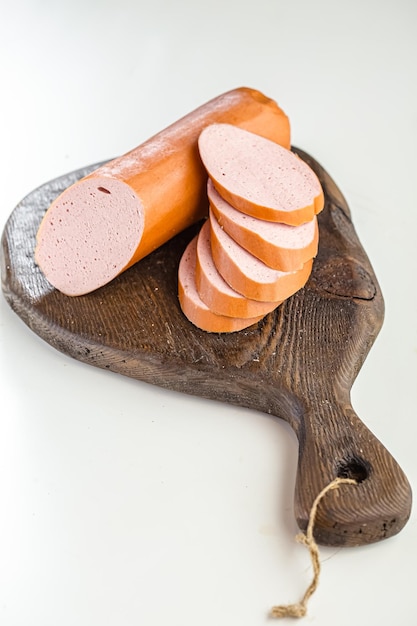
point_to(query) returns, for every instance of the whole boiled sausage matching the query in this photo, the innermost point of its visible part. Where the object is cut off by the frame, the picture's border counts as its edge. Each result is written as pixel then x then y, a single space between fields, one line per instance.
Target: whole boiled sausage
pixel 127 208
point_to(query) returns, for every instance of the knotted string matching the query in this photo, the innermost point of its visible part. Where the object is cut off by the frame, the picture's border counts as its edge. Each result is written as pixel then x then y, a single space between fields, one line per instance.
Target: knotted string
pixel 300 608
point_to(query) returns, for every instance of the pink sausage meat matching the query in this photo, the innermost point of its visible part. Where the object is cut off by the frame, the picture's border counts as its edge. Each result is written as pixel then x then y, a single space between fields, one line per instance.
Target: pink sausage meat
pixel 81 247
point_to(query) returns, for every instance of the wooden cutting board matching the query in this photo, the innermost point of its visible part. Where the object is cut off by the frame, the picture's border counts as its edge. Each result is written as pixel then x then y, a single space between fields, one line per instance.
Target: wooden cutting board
pixel 298 363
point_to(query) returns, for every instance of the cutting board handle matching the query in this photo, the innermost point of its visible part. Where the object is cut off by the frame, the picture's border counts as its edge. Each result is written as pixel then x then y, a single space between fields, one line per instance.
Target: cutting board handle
pixel 334 442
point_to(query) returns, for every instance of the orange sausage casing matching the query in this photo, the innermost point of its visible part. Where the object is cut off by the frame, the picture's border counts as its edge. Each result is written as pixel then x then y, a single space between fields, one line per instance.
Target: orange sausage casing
pixel 127 208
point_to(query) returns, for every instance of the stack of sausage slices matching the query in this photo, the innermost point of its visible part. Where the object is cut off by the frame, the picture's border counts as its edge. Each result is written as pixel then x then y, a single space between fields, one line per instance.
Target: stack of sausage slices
pixel 256 248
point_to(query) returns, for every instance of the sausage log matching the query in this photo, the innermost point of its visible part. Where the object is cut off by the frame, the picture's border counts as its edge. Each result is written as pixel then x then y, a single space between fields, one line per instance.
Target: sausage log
pixel 127 208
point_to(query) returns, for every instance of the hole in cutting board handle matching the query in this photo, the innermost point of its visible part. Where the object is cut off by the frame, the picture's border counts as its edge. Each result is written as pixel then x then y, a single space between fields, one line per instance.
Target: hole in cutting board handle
pixel 355 468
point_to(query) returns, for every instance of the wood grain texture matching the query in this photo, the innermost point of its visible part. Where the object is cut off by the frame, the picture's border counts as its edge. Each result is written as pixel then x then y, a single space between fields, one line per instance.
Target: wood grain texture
pixel 298 363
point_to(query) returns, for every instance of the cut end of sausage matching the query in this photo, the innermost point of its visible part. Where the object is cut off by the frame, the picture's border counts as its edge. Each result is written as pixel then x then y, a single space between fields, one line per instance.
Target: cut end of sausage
pixel 194 308
pixel 259 177
pixel 89 235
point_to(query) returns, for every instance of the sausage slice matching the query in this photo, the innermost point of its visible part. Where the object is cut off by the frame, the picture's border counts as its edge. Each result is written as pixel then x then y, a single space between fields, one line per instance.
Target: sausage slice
pixel 213 290
pixel 249 276
pixel 194 308
pixel 259 177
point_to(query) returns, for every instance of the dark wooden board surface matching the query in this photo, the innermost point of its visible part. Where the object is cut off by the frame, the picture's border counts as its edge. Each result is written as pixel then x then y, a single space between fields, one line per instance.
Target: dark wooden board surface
pixel 298 363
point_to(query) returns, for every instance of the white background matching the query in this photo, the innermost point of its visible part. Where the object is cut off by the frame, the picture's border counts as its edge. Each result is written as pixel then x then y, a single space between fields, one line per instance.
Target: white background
pixel 124 504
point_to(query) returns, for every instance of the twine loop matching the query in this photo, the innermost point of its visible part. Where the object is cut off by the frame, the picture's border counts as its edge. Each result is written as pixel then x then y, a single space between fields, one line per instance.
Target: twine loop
pixel 300 608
